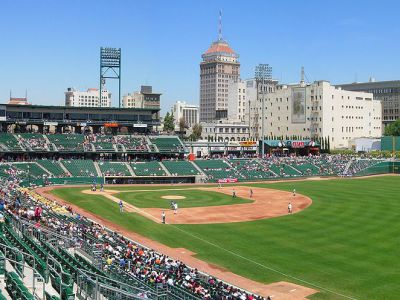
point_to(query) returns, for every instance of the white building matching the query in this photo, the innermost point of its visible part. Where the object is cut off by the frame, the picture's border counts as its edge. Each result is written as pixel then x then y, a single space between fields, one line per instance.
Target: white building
pixel 317 110
pixel 225 131
pixel 89 98
pixel 237 100
pixel 189 112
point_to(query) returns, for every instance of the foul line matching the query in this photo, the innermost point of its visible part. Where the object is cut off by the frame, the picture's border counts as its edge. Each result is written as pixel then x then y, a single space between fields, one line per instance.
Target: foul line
pixel 263 266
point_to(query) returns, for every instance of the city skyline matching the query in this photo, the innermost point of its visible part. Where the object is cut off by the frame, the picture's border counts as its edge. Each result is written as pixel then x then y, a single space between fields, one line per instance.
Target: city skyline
pixel 56 45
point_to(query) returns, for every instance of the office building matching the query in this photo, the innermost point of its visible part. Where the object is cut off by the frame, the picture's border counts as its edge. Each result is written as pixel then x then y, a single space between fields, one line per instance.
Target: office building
pixel 386 91
pixel 316 110
pixel 219 65
pixel 189 112
pixel 145 98
pixel 89 98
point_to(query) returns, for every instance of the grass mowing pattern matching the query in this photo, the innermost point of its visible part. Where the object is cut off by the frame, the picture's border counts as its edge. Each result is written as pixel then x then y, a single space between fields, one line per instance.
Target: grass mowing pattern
pixel 194 198
pixel 347 241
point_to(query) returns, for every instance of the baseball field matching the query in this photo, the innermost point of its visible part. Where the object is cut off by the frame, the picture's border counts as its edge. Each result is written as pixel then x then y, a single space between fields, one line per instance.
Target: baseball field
pixel 341 242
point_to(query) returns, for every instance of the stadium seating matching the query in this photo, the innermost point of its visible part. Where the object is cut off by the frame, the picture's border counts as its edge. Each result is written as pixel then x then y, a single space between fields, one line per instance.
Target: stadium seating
pixel 103 143
pixel 131 143
pixel 54 167
pixel 250 169
pixel 9 143
pixel 306 168
pixel 30 169
pixel 114 168
pixel 33 141
pixel 359 165
pixel 216 169
pixel 80 167
pixel 168 144
pixel 16 288
pixel 283 170
pixel 180 167
pixel 67 142
pixel 151 168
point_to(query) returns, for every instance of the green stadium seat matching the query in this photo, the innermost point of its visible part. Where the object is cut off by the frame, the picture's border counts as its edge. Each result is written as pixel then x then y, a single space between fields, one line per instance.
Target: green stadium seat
pixel 53 167
pixel 80 167
pixel 152 168
pixel 114 168
pixel 180 168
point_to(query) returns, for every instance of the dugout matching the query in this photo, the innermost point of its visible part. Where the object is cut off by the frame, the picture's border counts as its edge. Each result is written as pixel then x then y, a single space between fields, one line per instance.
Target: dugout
pixel 290 147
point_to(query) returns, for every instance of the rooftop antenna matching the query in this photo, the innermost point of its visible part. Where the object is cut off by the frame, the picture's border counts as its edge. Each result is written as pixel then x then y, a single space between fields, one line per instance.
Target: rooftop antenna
pixel 10 94
pixel 302 76
pixel 220 26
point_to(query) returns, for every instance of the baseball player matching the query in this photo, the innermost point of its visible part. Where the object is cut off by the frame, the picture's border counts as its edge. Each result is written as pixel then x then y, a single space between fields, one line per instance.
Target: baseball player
pixel 251 193
pixel 121 206
pixel 289 208
pixel 294 192
pixel 233 193
pixel 175 208
pixel 163 217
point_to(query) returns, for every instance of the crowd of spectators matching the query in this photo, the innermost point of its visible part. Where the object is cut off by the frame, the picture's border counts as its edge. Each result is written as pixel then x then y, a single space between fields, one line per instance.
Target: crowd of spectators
pixel 357 165
pixel 146 265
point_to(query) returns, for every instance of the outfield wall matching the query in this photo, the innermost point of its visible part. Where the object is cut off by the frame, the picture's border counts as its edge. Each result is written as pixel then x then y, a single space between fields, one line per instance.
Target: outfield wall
pixel 386 167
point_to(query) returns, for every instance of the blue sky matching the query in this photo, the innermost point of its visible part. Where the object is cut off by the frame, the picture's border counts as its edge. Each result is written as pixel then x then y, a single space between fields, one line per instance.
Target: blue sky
pixel 47 46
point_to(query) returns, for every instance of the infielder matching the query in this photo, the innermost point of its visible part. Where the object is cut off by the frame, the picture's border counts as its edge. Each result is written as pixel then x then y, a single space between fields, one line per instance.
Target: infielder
pixel 294 192
pixel 175 208
pixel 121 206
pixel 163 217
pixel 289 208
pixel 251 193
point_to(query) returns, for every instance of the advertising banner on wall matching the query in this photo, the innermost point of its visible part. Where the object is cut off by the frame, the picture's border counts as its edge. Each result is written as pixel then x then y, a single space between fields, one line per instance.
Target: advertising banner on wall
pixel 227 180
pixel 299 105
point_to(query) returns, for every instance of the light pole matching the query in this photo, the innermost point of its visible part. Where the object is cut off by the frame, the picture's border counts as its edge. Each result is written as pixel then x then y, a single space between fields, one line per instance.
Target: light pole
pixel 263 74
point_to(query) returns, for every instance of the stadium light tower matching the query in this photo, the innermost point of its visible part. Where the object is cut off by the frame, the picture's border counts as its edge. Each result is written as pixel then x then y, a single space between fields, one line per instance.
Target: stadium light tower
pixel 263 75
pixel 110 67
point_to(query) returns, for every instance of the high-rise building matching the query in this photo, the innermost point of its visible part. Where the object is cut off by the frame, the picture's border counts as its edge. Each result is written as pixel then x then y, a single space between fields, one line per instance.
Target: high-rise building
pixel 89 98
pixel 143 99
pixel 386 91
pixel 219 65
pixel 189 112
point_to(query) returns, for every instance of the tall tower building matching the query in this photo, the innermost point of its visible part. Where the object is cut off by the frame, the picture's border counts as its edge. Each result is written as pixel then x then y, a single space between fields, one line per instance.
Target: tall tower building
pixel 219 66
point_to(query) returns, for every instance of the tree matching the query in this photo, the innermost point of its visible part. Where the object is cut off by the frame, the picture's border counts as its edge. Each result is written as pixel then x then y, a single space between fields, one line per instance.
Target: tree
pixel 169 121
pixel 197 130
pixel 182 126
pixel 393 129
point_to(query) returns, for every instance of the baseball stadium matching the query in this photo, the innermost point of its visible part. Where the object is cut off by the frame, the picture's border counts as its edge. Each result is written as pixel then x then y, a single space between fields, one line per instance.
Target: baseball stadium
pixel 135 215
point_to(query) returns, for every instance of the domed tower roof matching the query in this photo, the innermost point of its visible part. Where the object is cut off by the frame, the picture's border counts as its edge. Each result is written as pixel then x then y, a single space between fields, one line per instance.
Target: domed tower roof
pixel 220 48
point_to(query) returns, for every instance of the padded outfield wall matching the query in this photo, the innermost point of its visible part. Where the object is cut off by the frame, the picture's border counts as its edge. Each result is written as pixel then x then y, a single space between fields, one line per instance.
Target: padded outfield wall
pixel 386 167
pixel 390 143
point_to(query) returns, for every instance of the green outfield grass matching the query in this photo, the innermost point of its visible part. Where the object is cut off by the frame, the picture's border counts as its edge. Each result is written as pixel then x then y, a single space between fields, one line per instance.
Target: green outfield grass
pixel 346 242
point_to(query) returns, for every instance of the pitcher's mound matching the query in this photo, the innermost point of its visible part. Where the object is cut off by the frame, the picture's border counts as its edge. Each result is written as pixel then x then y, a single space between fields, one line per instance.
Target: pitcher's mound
pixel 173 197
